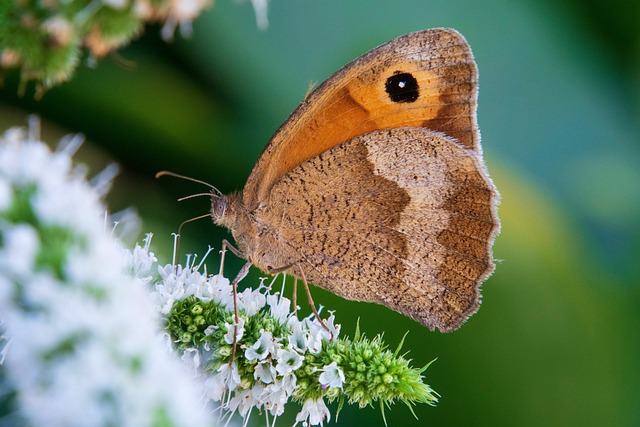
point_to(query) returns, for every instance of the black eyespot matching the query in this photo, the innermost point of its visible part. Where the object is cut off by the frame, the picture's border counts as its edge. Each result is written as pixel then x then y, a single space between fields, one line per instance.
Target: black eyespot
pixel 402 87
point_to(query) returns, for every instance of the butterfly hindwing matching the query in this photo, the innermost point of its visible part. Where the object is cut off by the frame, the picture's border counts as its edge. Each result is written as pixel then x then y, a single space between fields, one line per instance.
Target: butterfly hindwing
pixel 403 217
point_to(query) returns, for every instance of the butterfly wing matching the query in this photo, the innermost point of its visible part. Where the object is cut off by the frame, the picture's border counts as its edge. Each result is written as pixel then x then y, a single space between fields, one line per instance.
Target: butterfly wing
pixel 404 217
pixel 423 79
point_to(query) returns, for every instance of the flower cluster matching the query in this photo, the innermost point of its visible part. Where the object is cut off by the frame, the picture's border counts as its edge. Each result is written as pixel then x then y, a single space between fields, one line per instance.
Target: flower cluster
pixel 45 39
pixel 79 341
pixel 278 357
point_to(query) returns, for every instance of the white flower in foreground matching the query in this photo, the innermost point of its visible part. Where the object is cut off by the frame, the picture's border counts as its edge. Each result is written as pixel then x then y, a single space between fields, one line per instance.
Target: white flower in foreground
pixel 79 341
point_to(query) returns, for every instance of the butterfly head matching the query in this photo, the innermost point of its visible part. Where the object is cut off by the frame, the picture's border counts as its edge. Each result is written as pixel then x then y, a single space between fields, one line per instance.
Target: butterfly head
pixel 219 206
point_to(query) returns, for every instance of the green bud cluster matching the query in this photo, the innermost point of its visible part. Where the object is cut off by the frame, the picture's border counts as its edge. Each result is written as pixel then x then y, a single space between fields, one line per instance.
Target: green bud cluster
pixel 372 373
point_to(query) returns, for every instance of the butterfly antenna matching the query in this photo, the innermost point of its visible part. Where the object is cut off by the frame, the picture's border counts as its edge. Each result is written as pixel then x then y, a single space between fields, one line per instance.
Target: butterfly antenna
pixel 194 195
pixel 175 175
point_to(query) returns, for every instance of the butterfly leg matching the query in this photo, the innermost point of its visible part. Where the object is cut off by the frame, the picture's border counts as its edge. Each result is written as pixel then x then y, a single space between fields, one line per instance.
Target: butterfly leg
pixel 294 299
pixel 234 284
pixel 226 244
pixel 313 306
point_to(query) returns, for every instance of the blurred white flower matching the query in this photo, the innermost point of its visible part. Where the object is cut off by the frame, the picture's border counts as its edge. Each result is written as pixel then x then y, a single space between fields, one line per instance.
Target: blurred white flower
pixel 20 247
pixel 80 344
pixel 261 7
pixel 116 4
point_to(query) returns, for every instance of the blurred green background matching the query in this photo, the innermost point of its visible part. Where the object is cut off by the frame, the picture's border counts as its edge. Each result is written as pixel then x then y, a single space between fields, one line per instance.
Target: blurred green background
pixel 557 340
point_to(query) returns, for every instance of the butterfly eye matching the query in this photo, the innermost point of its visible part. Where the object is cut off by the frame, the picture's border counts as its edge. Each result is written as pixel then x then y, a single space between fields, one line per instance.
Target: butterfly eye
pixel 218 206
pixel 402 87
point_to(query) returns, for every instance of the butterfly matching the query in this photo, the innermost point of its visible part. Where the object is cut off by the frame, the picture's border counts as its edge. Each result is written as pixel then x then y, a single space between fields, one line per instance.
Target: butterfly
pixel 375 187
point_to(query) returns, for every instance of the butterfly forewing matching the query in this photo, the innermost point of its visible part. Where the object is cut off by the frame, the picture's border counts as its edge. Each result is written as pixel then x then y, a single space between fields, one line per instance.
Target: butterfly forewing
pixel 423 79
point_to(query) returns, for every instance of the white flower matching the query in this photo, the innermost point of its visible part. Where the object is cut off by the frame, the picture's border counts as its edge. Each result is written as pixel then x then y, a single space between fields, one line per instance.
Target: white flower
pixel 4 339
pixel 314 341
pixel 260 8
pixel 140 261
pixel 214 388
pixel 280 307
pixel 261 348
pixel 237 328
pixel 251 301
pixel 182 12
pixel 331 331
pixel 244 401
pixel 210 329
pixel 298 337
pixel 332 376
pixel 275 396
pixel 116 4
pixel 178 283
pixel 191 359
pixel 230 375
pixel 288 361
pixel 318 334
pixel 265 372
pixel 313 413
pixel 221 291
